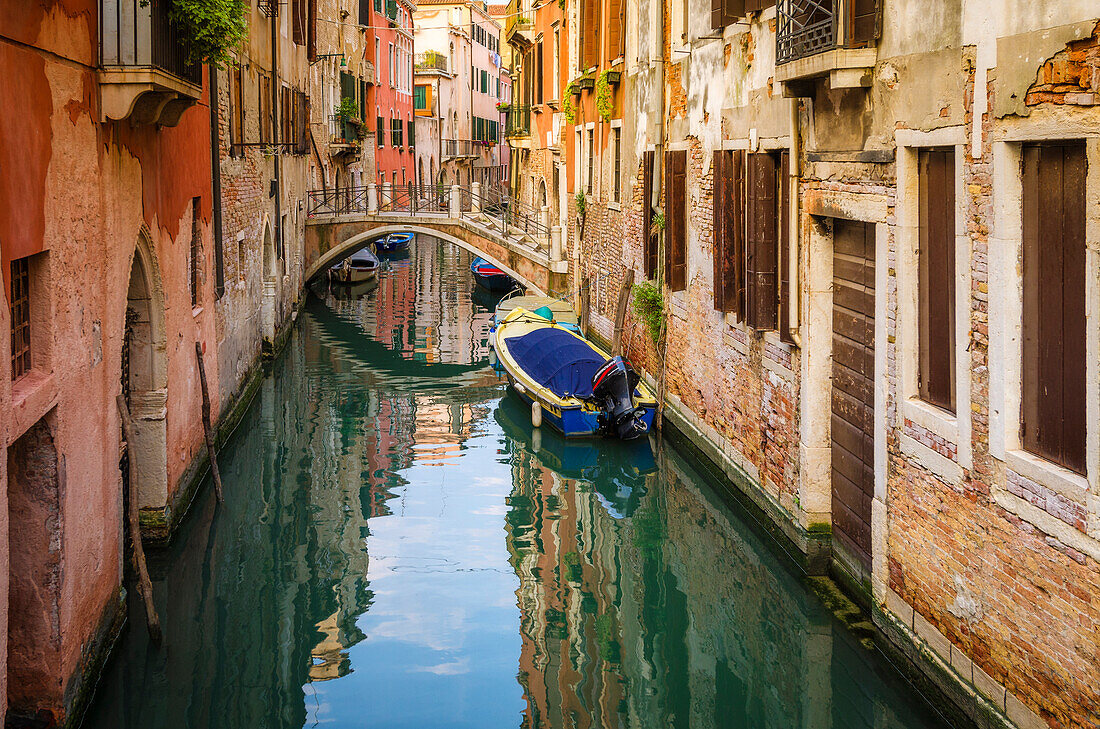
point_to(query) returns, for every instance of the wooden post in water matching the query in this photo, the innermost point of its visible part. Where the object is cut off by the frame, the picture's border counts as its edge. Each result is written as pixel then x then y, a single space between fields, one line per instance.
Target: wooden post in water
pixel 620 312
pixel 582 313
pixel 206 425
pixel 145 585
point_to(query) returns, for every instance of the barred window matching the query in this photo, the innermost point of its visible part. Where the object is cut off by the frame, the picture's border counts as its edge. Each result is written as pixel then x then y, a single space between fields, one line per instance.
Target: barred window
pixel 20 318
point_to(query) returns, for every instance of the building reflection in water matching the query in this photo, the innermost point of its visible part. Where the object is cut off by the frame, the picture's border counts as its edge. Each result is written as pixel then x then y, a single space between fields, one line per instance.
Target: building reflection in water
pixel 348 580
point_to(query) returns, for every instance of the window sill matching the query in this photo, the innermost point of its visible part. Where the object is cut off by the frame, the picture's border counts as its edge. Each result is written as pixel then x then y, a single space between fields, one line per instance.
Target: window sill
pixel 933 419
pixel 1065 482
pixel 196 312
pixel 32 396
pixel 614 205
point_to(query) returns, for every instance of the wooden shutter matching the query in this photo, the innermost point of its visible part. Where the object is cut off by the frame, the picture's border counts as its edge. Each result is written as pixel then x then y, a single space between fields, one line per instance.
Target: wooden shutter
pixel 729 289
pixel 299 21
pixel 751 6
pixel 591 34
pixel 364 12
pixel 311 31
pixel 762 242
pixel 735 222
pixel 936 277
pixel 784 252
pixel 863 21
pixel 649 245
pixel 538 72
pixel 725 12
pixel 1054 357
pixel 718 195
pixel 614 28
pixel 676 219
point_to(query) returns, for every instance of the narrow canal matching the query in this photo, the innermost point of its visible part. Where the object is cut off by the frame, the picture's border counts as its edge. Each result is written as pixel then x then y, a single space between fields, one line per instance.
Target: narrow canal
pixel 397 548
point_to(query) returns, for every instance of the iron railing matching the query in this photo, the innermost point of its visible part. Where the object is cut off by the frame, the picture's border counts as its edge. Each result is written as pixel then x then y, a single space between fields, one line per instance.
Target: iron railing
pixel 342 131
pixel 459 148
pixel 491 206
pixel 518 123
pixel 805 28
pixel 519 18
pixel 432 60
pixel 140 33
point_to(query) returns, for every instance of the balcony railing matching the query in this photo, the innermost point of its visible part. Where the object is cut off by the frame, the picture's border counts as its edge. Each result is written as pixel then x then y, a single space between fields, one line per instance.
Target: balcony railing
pixel 519 19
pixel 137 33
pixel 342 131
pixel 432 60
pixel 519 121
pixel 460 148
pixel 805 28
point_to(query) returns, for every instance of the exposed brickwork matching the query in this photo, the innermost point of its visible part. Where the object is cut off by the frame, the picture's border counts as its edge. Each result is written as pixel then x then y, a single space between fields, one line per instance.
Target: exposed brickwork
pixel 931 440
pixel 1071 76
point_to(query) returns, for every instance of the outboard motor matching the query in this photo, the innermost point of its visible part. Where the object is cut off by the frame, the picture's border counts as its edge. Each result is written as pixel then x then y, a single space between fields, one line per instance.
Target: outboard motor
pixel 613 389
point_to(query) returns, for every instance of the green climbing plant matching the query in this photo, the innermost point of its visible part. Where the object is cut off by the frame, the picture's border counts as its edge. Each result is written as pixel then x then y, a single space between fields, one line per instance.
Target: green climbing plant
pixel 570 110
pixel 582 203
pixel 649 305
pixel 658 221
pixel 210 28
pixel 348 110
pixel 604 106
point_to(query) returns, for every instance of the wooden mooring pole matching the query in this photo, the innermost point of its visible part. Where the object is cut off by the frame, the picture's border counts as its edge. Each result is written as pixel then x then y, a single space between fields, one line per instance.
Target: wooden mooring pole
pixel 206 425
pixel 620 311
pixel 145 585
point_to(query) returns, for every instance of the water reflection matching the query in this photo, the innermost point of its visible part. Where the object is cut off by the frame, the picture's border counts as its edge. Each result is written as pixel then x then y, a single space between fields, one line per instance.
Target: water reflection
pixel 398 548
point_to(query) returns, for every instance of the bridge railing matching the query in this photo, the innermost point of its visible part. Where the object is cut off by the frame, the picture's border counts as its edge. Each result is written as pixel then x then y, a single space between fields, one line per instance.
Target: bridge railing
pixel 488 205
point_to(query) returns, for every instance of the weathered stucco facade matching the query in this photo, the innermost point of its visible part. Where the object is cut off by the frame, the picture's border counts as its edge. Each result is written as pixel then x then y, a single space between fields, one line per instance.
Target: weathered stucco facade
pixel 977 557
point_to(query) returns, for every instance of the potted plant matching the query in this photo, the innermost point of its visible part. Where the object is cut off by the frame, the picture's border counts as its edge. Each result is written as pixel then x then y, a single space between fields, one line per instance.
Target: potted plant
pixel 348 111
pixel 503 106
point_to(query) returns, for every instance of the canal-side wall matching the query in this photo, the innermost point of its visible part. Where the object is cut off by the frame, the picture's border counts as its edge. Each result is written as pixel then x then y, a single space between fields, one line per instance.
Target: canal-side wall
pixel 983 569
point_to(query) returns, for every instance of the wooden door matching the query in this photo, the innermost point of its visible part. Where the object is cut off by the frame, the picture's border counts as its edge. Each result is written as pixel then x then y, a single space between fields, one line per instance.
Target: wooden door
pixel 853 390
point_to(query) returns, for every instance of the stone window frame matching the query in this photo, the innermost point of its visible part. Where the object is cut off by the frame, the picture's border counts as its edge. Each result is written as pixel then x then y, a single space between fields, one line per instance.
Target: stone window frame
pixel 1006 345
pixel 679 297
pixel 590 190
pixel 952 428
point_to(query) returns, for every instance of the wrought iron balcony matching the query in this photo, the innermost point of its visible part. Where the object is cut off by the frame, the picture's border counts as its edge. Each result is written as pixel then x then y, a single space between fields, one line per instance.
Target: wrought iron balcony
pixel 145 74
pixel 518 123
pixel 833 38
pixel 431 60
pixel 520 26
pixel 454 148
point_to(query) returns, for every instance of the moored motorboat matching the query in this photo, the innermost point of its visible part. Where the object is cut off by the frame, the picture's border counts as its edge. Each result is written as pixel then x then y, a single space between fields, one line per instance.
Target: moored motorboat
pixel 356 268
pixel 580 389
pixel 491 277
pixel 394 242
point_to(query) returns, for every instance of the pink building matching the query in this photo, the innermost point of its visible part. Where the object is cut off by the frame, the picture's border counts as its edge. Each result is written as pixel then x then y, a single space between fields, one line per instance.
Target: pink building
pixel 391 97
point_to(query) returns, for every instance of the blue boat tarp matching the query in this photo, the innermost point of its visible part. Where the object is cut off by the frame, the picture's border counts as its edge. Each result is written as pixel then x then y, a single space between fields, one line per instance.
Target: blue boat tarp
pixel 557 360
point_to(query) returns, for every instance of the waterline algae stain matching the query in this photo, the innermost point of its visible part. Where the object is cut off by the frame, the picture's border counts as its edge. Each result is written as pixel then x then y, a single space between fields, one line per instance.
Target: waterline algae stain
pixel 398 548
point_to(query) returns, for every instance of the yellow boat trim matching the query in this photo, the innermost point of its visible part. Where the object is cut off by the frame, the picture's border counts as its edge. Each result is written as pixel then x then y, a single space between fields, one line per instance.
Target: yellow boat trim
pixel 520 321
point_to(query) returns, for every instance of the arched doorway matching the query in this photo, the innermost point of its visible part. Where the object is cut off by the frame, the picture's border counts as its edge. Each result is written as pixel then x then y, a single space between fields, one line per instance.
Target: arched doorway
pixel 270 285
pixel 144 377
pixel 542 194
pixel 420 172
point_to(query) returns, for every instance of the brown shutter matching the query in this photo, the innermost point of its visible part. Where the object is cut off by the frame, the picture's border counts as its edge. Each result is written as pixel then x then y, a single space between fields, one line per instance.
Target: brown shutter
pixel 1054 204
pixel 936 277
pixel 311 31
pixel 863 22
pixel 614 28
pixel 725 12
pixel 735 222
pixel 717 13
pixel 751 6
pixel 784 252
pixel 591 34
pixel 718 177
pixel 539 81
pixel 649 245
pixel 676 219
pixel 763 238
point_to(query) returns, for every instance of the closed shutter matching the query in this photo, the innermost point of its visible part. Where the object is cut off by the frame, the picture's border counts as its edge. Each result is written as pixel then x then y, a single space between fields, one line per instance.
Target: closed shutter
pixel 863 21
pixel 303 132
pixel 614 28
pixel 936 277
pixel 729 241
pixel 762 242
pixel 362 100
pixel 784 252
pixel 591 33
pixel 1054 332
pixel 311 30
pixel 364 12
pixel 649 245
pixel 718 176
pixel 676 219
pixel 751 6
pixel 538 72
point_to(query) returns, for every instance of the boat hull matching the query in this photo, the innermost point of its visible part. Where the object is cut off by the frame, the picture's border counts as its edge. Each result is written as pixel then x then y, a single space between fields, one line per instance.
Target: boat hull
pixel 499 283
pixel 393 242
pixel 353 275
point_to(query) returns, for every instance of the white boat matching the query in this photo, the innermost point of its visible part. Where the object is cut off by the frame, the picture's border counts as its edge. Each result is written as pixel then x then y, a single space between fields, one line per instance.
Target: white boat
pixel 356 268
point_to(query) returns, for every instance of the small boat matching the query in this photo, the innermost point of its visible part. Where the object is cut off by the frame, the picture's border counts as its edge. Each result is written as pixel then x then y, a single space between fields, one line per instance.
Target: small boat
pixel 559 311
pixel 356 268
pixel 580 389
pixel 490 277
pixel 394 242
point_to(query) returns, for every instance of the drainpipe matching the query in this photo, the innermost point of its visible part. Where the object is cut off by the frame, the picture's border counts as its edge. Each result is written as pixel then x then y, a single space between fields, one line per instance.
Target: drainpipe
pixel 793 248
pixel 216 175
pixel 275 85
pixel 658 152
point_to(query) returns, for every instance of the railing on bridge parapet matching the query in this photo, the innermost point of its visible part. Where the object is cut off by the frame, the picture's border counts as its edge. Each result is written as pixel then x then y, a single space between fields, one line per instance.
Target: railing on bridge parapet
pixel 491 206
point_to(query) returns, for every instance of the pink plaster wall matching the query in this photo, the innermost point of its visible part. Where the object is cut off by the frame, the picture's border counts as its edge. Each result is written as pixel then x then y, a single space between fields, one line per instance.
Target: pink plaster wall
pixel 84 191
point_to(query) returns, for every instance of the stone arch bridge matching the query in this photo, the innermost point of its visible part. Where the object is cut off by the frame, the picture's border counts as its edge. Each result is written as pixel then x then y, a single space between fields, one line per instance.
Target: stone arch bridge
pixel 516 238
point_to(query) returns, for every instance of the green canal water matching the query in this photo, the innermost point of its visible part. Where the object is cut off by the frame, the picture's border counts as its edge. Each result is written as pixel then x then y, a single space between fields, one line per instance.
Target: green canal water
pixel 398 548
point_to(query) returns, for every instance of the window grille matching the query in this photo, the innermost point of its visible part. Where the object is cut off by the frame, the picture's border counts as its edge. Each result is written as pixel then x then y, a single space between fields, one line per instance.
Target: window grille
pixel 20 318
